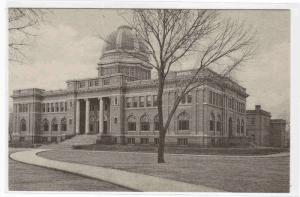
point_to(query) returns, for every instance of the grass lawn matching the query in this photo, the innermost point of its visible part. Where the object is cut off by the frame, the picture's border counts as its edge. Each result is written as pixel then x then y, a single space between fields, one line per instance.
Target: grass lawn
pixel 24 177
pixel 233 174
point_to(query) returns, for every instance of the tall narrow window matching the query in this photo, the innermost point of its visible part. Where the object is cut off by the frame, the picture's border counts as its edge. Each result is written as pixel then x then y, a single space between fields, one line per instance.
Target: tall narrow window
pixel 45 125
pixel 183 121
pixel 142 101
pixel 131 122
pixel 242 126
pixel 63 124
pixel 148 100
pixel 156 123
pixel 212 122
pixel 144 123
pixel 135 101
pixel 23 125
pixel 154 100
pixel 189 98
pixel 54 126
pixel 238 126
pixel 219 124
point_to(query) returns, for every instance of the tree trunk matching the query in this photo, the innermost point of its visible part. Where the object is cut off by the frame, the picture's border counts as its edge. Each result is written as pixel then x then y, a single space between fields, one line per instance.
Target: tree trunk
pixel 161 147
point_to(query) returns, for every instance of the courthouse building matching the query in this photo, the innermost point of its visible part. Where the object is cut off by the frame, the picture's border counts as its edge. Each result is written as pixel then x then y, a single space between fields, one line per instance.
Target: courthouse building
pixel 120 104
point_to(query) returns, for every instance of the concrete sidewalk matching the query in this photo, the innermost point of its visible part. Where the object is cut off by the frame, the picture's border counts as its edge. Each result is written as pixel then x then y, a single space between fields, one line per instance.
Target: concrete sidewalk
pixel 134 181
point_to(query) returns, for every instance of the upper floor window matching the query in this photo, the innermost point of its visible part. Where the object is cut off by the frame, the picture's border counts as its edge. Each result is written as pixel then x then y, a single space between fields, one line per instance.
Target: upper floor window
pixel 142 101
pixel 155 100
pixel 106 81
pixel 145 123
pixel 81 84
pixel 131 123
pixel 128 102
pixel 23 125
pixel 212 122
pixel 189 98
pixel 135 101
pixel 148 100
pixel 116 100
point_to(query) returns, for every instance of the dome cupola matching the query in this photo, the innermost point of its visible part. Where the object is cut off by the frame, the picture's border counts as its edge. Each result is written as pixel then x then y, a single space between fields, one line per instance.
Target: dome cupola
pixel 124 53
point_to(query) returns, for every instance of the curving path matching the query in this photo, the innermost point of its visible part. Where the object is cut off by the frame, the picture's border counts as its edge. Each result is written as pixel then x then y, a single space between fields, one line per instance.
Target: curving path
pixel 134 181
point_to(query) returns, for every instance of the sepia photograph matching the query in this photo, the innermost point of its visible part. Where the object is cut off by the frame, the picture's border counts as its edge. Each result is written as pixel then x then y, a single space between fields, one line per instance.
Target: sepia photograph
pixel 149 100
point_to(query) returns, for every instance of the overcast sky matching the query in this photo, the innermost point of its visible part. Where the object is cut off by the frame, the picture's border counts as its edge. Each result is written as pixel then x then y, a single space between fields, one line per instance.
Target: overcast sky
pixel 67 47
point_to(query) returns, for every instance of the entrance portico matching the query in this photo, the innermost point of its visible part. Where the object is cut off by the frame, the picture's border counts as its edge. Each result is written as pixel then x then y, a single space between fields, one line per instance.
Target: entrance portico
pixel 90 115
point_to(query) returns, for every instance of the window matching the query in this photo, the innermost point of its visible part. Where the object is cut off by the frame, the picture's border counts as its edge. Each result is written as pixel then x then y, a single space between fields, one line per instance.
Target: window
pixel 66 105
pixel 142 101
pixel 54 126
pixel 106 81
pixel 116 120
pixel 48 107
pixel 144 140
pixel 189 98
pixel 43 107
pixel 183 100
pixel 62 106
pixel 22 139
pixel 156 140
pixel 210 97
pixel 52 107
pixel 156 123
pixel 116 100
pixel 238 126
pixel 242 126
pixel 212 122
pixel 70 121
pixel 182 141
pixel 253 120
pixel 71 103
pixel 154 100
pixel 135 102
pixel 96 82
pixel 128 102
pixel 63 125
pixel 81 84
pixel 56 107
pixel 183 121
pixel 219 124
pixel 131 121
pixel 131 140
pixel 148 100
pixel 145 125
pixel 45 125
pixel 23 125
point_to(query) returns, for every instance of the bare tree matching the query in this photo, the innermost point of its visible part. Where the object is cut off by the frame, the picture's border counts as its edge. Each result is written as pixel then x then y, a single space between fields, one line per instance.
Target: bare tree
pixel 22 23
pixel 173 35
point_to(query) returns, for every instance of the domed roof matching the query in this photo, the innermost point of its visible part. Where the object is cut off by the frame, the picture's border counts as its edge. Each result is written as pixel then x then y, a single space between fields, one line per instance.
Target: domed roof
pixel 124 38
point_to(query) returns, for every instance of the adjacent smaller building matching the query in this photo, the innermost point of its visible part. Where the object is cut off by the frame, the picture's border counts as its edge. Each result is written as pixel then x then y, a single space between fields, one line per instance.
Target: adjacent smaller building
pixel 265 131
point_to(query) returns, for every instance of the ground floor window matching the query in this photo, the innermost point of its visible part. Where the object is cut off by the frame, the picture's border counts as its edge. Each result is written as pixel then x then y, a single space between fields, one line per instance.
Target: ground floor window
pixel 182 141
pixel 156 140
pixel 144 140
pixel 22 139
pixel 131 140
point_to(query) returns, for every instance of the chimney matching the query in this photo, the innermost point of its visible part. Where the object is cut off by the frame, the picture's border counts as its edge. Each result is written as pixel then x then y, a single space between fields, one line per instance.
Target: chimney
pixel 257 107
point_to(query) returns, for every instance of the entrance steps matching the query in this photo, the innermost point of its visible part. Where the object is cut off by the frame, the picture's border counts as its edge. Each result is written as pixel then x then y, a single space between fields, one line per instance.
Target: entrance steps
pixel 74 141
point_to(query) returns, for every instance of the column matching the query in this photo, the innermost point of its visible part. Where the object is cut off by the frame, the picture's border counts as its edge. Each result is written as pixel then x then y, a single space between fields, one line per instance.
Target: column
pixel 87 116
pixel 77 117
pixel 100 115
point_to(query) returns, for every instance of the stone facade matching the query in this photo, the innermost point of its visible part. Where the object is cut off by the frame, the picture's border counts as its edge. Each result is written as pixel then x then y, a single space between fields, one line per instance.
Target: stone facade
pixel 119 105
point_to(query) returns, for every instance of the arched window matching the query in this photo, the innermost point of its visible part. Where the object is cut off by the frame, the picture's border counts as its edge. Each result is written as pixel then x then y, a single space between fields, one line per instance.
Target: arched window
pixel 63 124
pixel 238 126
pixel 131 122
pixel 183 121
pixel 156 123
pixel 54 126
pixel 23 125
pixel 212 122
pixel 242 126
pixel 219 124
pixel 45 125
pixel 145 123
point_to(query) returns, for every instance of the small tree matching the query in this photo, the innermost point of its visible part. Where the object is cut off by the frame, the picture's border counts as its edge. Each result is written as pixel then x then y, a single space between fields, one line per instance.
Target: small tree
pixel 171 35
pixel 21 27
